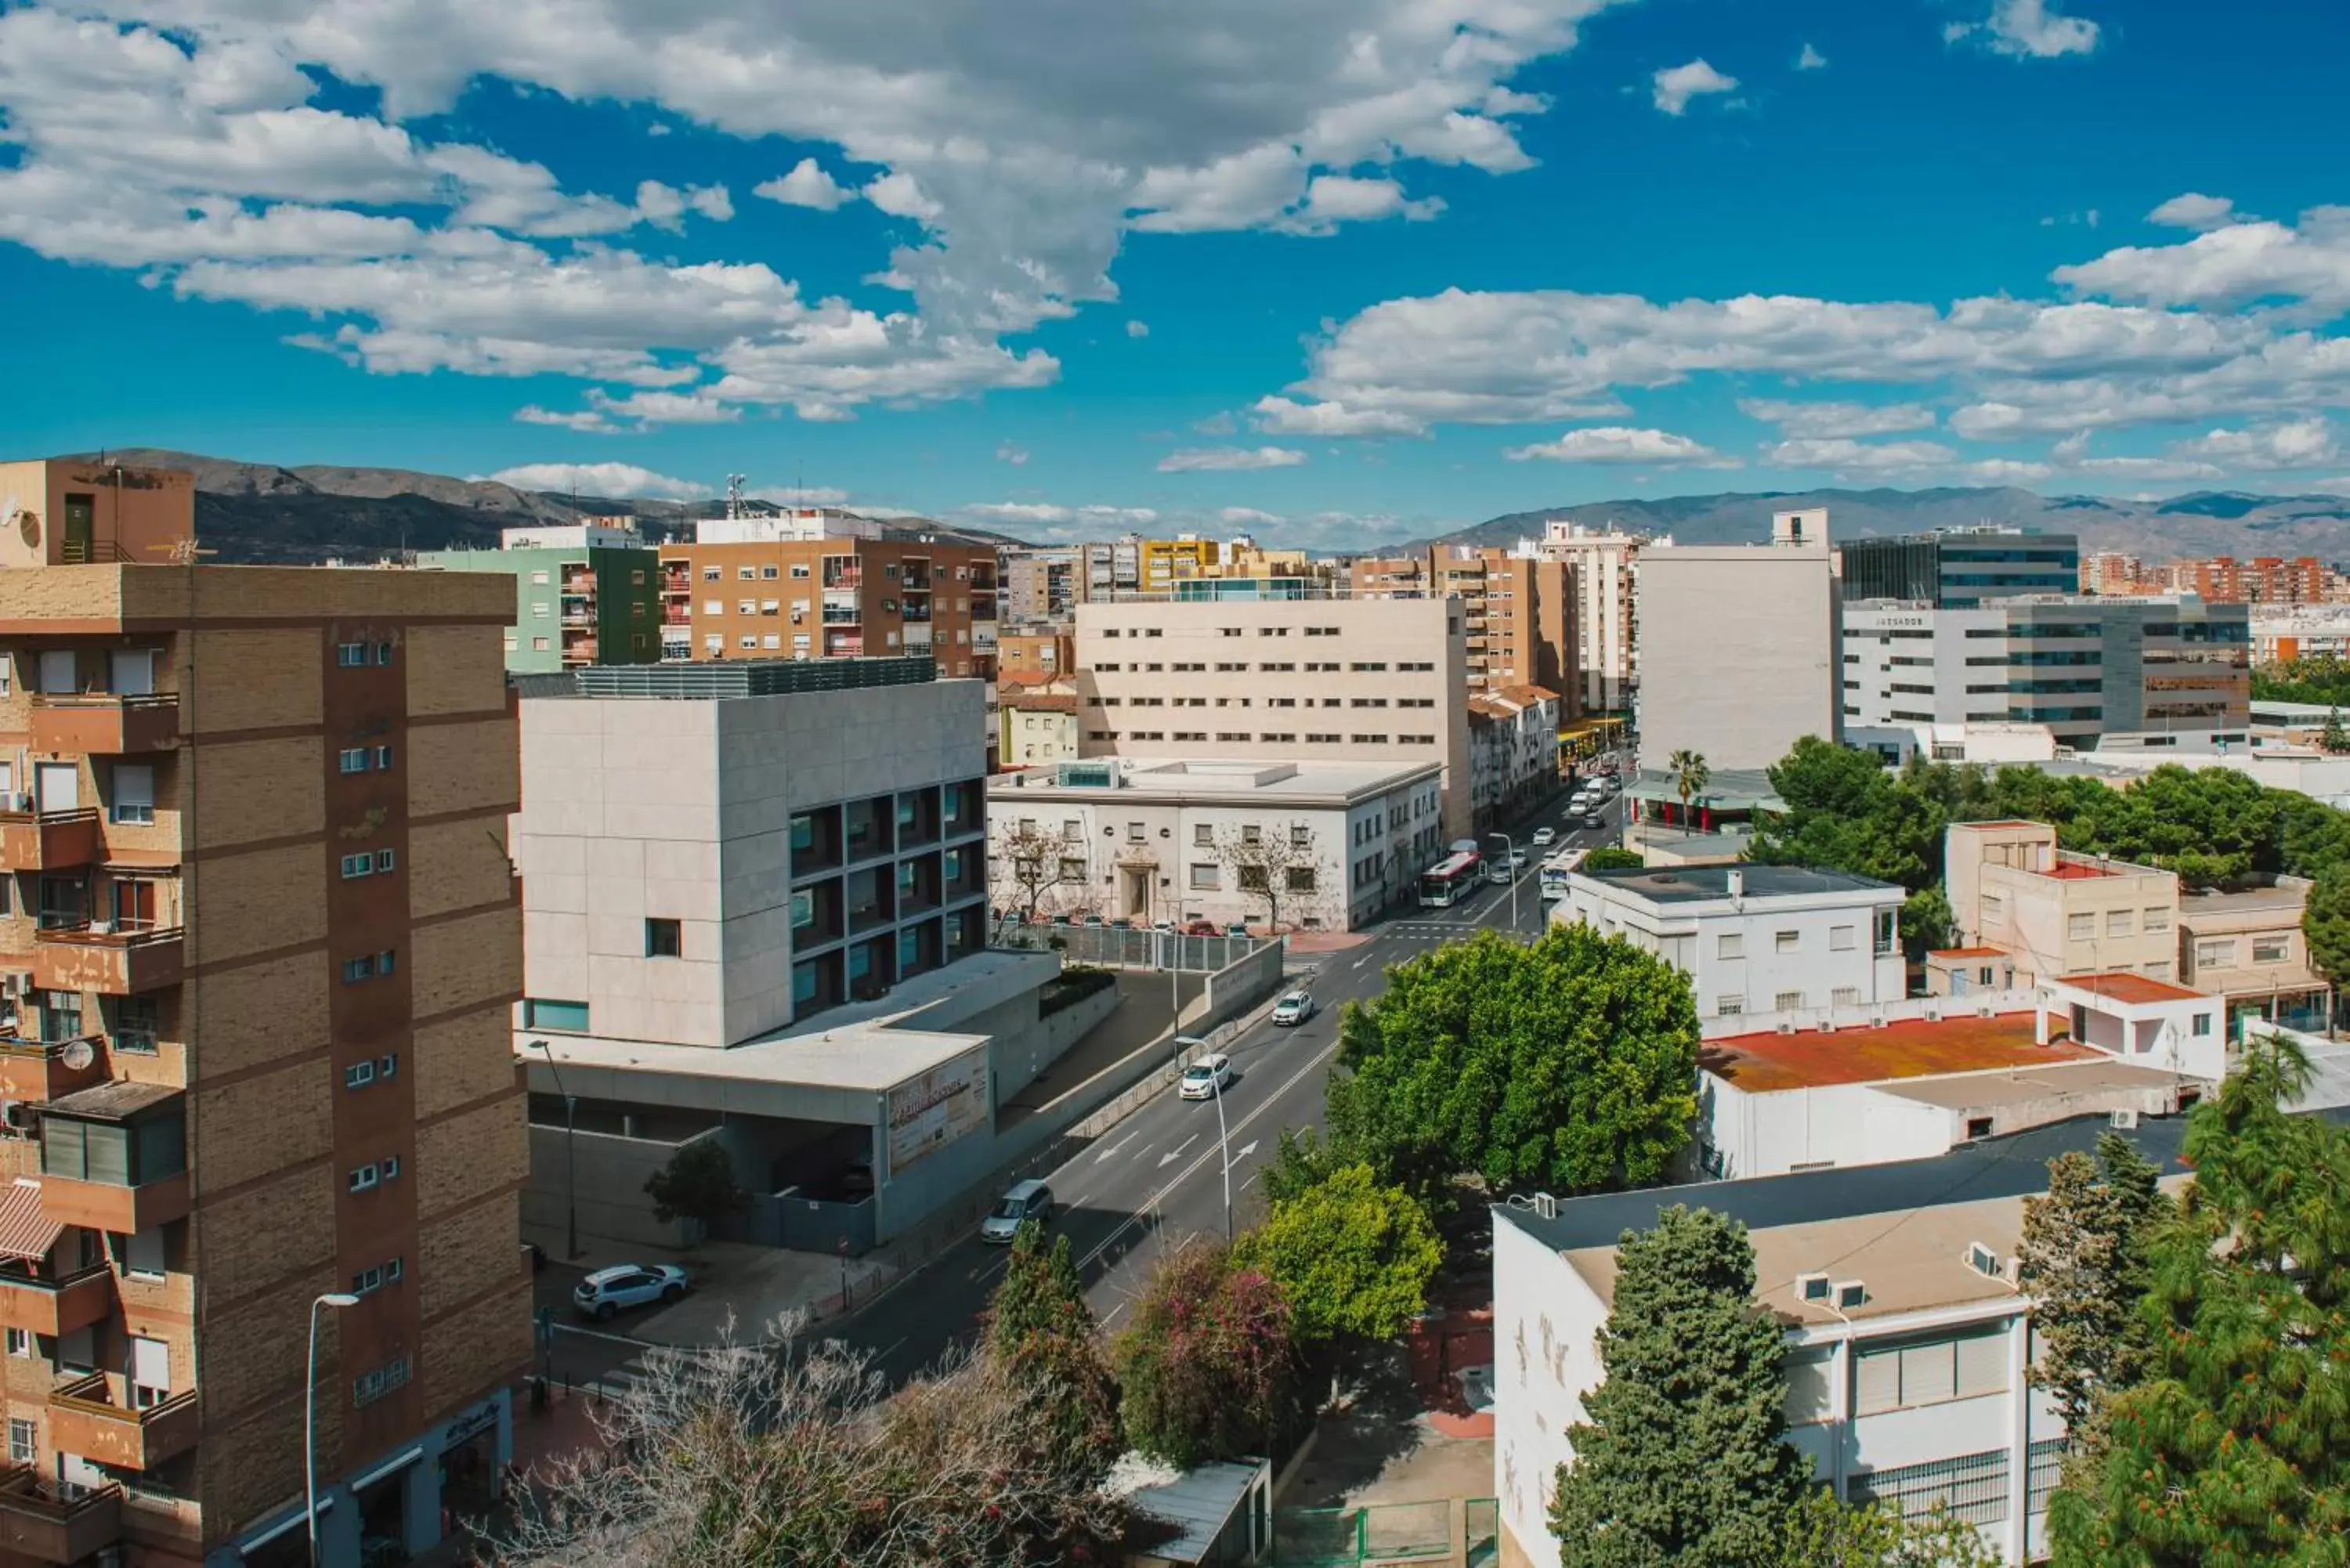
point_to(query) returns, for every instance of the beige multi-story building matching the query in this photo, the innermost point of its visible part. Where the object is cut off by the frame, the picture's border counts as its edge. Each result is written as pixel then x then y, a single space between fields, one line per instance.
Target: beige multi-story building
pixel 1513 751
pixel 260 950
pixel 1600 563
pixel 1290 678
pixel 1038 724
pixel 831 599
pixel 2248 946
pixel 2057 914
pixel 1738 649
pixel 1519 611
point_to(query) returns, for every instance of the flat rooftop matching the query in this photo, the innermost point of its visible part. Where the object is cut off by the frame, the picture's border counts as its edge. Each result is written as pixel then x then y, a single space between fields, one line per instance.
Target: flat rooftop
pixel 2058 1080
pixel 859 1046
pixel 1143 780
pixel 747 677
pixel 1699 884
pixel 2131 988
pixel 2287 901
pixel 1768 1063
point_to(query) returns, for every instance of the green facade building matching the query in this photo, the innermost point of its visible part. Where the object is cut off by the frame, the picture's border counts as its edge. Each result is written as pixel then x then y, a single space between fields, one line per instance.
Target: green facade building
pixel 575 605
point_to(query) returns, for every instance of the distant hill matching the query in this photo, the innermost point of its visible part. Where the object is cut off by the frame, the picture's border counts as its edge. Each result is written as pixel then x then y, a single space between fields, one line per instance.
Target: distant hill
pixel 258 512
pixel 2208 523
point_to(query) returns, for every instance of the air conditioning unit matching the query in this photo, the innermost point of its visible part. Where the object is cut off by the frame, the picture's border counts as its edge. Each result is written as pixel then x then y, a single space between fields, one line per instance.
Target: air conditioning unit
pixel 2125 1120
pixel 1811 1287
pixel 1877 1020
pixel 1787 1027
pixel 1849 1294
pixel 2013 1272
pixel 1985 1010
pixel 16 983
pixel 1545 1206
pixel 1983 1259
pixel 1933 1014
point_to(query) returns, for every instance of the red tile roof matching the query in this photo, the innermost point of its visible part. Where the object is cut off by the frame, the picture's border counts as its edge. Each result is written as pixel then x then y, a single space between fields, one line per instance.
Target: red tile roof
pixel 1909 1048
pixel 2074 871
pixel 25 1231
pixel 1967 952
pixel 2131 987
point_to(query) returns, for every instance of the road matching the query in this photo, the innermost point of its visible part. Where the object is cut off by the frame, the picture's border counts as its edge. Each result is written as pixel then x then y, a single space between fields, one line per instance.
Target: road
pixel 1158 1178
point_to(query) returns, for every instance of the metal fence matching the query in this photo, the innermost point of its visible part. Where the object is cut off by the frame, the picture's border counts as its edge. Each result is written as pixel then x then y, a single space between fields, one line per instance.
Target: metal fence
pixel 1388 1533
pixel 1407 1532
pixel 1120 948
pixel 1481 1531
pixel 1317 1537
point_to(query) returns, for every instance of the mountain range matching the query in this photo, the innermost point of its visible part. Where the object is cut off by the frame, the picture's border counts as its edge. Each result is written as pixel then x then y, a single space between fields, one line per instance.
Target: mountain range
pixel 258 512
pixel 2207 523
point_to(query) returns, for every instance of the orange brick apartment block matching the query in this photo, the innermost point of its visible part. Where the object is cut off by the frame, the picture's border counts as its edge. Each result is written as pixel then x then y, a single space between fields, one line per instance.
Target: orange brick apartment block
pixel 832 598
pixel 260 946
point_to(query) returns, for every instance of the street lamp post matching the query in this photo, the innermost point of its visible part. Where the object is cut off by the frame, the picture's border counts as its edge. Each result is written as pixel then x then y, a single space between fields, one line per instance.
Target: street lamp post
pixel 338 1300
pixel 1510 865
pixel 1224 1147
pixel 570 1156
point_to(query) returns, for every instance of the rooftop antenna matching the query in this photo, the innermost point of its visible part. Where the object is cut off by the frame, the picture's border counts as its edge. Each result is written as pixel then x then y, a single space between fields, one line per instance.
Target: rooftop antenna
pixel 734 496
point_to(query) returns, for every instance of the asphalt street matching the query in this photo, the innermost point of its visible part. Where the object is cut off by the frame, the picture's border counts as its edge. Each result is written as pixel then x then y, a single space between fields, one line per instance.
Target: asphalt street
pixel 1160 1176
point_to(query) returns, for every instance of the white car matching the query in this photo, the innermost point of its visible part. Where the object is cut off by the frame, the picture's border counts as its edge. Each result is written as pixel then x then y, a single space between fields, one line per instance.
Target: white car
pixel 1545 835
pixel 1517 861
pixel 607 1291
pixel 1294 1008
pixel 1207 1077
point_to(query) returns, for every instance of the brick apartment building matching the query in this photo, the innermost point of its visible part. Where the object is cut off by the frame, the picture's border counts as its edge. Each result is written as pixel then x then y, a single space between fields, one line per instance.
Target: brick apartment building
pixel 1519 611
pixel 831 599
pixel 259 953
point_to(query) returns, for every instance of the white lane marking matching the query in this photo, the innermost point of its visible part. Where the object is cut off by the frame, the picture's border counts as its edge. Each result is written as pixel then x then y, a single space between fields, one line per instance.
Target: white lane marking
pixel 1120 1144
pixel 1152 1202
pixel 1110 1316
pixel 1172 1155
pixel 1245 1149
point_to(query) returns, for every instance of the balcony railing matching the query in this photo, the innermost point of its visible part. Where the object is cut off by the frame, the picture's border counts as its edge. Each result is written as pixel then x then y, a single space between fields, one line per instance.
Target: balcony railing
pixel 37 1304
pixel 101 957
pixel 87 1417
pixel 46 840
pixel 105 723
pixel 36 1522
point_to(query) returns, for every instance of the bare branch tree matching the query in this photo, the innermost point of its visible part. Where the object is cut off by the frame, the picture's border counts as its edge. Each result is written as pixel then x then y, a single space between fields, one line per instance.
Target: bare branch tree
pixel 1025 863
pixel 749 1454
pixel 1277 862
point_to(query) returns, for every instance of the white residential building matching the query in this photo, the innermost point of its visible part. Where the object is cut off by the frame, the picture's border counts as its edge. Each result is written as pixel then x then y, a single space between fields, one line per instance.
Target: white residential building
pixel 788 526
pixel 1753 939
pixel 1602 562
pixel 1738 646
pixel 1906 1339
pixel 1513 751
pixel 1184 840
pixel 613 534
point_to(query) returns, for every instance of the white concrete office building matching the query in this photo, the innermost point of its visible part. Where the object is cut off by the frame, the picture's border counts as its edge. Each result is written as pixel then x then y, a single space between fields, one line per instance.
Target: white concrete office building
pixel 1784 941
pixel 1279 679
pixel 1162 839
pixel 1738 646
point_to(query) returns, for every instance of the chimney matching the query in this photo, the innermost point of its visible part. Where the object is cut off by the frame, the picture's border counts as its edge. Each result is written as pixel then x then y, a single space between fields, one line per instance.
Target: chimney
pixel 1737 882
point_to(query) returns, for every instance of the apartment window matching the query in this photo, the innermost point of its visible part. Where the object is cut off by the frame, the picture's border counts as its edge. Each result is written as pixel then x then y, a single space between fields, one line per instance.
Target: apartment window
pixel 364 1179
pixel 2271 949
pixel 137 1022
pixel 1300 878
pixel 2201 1025
pixel 664 938
pixel 2215 954
pixel 385 860
pixel 353 760
pixel 768 573
pixel 371 1387
pixel 357 865
pixel 368 1281
pixel 1730 945
pixel 1788 1001
pixel 714 645
pixel 2120 922
pixel 799 568
pixel 1809 1375
pixel 20 1342
pixel 1842 939
pixel 1729 1006
pixel 1252 833
pixel 24 1437
pixel 1845 996
pixel 2081 927
pixel 2157 919
pixel 1203 835
pixel 1373 665
pixel 1072 869
pixel 537 612
pixel 1300 836
pixel 358 968
pixel 350 655
pixel 388 1066
pixel 540 645
pixel 1205 876
pixel 745 574
pixel 134 793
pixel 1932 1372
pixel 390 1166
pixel 359 1074
pixel 1787 941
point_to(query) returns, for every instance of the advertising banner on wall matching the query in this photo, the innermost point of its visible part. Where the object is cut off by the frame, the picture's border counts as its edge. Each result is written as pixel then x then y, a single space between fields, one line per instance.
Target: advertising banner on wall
pixel 929 1111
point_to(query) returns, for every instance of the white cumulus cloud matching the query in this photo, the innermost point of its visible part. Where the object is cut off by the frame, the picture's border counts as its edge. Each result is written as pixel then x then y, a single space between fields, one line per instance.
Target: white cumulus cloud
pixel 2295 443
pixel 2028 30
pixel 1866 456
pixel 1247 516
pixel 1674 88
pixel 1811 60
pixel 1620 443
pixel 607 479
pixel 1138 329
pixel 2193 210
pixel 1229 459
pixel 807 185
pixel 1837 419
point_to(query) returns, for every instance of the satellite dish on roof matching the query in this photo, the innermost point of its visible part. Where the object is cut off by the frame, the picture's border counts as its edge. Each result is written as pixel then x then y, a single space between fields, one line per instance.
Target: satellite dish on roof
pixel 77 1054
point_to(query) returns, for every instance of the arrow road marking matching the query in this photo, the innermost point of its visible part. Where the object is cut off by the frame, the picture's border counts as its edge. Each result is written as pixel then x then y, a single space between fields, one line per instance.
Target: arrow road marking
pixel 1172 1155
pixel 1117 1146
pixel 1245 1149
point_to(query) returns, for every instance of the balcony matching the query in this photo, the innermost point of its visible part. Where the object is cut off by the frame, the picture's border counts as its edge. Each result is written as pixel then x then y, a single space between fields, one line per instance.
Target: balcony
pixel 35 1522
pixel 98 956
pixel 104 1206
pixel 87 1417
pixel 39 1305
pixel 35 1071
pixel 105 723
pixel 48 840
pixel 677 614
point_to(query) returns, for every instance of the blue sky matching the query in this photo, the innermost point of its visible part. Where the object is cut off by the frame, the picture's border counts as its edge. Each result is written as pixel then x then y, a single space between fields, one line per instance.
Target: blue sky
pixel 1330 270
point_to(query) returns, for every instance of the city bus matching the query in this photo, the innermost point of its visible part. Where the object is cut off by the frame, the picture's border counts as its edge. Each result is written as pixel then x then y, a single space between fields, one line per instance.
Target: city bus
pixel 1557 868
pixel 1447 881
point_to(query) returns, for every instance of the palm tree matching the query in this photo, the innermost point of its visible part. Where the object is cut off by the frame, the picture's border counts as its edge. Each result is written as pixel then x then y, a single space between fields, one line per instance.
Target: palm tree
pixel 1690 775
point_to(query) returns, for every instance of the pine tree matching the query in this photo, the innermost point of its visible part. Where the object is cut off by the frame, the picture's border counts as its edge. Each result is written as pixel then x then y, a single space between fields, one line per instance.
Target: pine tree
pixel 1040 1330
pixel 2233 1450
pixel 1684 1460
pixel 2084 1262
pixel 2330 740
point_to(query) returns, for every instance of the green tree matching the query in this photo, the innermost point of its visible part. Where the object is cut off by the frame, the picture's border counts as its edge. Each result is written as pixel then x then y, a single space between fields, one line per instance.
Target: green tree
pixel 697 1185
pixel 1845 812
pixel 1822 1532
pixel 1300 1161
pixel 1926 921
pixel 1690 774
pixel 2332 740
pixel 1684 1458
pixel 2321 678
pixel 1567 1065
pixel 2233 1448
pixel 2085 1261
pixel 1040 1329
pixel 1352 1258
pixel 2325 922
pixel 1207 1368
pixel 1612 858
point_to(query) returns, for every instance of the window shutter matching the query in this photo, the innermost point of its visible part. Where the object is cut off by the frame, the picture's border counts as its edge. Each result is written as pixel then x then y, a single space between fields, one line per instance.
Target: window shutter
pixel 1876 1381
pixel 1982 1363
